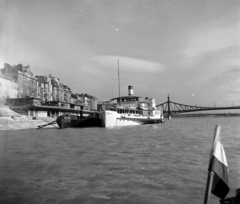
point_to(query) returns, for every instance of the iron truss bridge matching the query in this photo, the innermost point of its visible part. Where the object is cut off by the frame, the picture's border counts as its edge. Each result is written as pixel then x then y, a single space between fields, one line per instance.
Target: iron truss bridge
pixel 175 108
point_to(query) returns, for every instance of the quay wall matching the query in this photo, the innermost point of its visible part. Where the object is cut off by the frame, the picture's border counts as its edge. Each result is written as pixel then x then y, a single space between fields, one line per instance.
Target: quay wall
pixel 23 122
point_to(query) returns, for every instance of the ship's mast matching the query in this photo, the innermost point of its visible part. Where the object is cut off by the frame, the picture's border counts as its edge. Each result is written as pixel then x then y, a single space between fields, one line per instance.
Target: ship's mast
pixel 119 85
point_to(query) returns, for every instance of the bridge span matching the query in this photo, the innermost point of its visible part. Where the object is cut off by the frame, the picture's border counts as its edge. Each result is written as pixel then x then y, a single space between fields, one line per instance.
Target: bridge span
pixel 170 108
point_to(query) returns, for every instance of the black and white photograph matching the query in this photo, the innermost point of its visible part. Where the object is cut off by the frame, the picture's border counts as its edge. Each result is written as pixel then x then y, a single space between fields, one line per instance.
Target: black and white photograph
pixel 119 101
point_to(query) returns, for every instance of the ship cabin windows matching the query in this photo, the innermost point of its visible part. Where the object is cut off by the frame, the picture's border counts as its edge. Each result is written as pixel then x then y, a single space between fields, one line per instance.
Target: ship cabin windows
pixel 129 111
pixel 128 99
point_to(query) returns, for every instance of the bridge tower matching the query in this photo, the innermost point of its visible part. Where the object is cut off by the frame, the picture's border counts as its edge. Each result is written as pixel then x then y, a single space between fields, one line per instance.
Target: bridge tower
pixel 169 111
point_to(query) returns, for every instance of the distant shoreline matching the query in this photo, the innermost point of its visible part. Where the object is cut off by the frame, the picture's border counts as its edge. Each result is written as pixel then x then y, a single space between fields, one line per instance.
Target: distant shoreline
pixel 206 115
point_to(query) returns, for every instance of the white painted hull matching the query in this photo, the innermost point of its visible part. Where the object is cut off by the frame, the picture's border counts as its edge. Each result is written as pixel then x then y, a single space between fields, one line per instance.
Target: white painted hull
pixel 114 119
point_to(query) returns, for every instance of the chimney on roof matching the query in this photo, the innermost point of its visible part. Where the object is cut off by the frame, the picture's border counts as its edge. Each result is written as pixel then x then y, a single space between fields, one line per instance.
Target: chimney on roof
pixel 6 69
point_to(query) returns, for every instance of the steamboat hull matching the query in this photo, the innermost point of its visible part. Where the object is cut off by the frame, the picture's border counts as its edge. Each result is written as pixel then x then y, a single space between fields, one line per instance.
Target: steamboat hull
pixel 113 119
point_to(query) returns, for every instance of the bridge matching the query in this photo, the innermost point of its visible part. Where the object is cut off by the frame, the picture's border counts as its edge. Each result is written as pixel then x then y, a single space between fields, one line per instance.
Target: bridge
pixel 170 108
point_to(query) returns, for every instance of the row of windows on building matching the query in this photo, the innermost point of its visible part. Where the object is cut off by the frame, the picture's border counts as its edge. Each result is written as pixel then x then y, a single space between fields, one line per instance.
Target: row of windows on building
pixel 8 88
pixel 7 94
pixel 8 85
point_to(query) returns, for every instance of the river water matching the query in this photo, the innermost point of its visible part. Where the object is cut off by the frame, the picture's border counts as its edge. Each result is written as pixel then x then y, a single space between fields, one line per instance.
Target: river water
pixel 161 163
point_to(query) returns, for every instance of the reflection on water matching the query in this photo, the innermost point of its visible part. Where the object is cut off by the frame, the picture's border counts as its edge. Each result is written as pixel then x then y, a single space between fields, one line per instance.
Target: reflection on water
pixel 147 164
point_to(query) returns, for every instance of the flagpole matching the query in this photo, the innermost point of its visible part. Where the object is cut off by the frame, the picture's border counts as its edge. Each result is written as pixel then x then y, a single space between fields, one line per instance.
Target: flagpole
pixel 208 187
pixel 211 173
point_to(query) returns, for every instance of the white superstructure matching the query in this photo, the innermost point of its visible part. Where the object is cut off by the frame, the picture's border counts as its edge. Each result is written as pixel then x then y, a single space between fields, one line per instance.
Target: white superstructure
pixel 128 117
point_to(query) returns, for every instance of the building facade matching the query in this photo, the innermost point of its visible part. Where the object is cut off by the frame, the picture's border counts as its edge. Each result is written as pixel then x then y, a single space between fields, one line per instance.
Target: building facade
pixel 8 88
pixel 90 102
pixel 77 99
pixel 44 88
pixel 57 89
pixel 27 83
pixel 67 94
pixel 39 93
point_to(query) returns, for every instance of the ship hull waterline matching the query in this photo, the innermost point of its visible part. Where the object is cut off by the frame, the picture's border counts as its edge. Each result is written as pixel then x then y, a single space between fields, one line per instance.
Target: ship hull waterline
pixel 113 119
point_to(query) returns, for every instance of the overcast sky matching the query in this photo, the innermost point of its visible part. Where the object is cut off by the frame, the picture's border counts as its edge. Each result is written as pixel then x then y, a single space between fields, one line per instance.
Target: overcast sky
pixel 189 49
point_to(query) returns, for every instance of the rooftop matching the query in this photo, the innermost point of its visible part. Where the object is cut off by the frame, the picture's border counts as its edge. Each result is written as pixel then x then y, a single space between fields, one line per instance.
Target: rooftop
pixel 6 77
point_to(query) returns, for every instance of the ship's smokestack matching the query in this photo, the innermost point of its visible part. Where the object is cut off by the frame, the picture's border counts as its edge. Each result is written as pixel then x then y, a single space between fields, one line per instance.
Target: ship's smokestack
pixel 130 90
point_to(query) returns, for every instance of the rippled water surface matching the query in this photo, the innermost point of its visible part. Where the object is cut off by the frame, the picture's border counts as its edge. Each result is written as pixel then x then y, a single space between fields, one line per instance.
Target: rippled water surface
pixel 146 164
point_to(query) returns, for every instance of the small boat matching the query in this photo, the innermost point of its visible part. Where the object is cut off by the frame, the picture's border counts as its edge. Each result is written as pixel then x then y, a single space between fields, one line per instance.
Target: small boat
pixel 68 121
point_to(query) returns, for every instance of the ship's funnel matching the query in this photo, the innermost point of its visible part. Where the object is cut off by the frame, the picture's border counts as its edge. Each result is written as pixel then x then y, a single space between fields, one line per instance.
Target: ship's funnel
pixel 130 90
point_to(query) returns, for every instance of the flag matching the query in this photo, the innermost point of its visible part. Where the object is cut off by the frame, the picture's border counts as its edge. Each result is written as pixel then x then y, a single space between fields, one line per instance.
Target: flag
pixel 218 165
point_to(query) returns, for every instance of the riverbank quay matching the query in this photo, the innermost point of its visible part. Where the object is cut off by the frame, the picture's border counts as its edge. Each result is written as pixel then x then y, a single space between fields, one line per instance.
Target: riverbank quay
pixel 23 122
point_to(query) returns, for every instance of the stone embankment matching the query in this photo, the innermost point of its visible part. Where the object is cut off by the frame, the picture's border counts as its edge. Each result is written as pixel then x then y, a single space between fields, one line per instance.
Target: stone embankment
pixel 23 122
pixel 10 120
